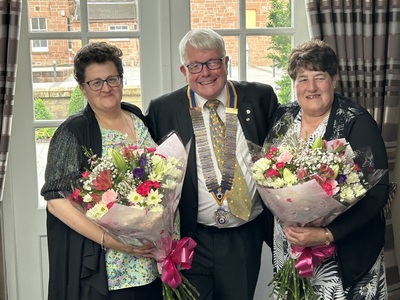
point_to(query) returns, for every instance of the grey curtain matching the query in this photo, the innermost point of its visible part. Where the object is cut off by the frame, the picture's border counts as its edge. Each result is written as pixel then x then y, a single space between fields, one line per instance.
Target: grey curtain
pixel 365 35
pixel 10 20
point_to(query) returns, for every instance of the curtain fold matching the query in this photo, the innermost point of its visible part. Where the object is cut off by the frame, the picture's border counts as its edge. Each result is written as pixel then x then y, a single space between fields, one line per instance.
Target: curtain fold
pixel 365 35
pixel 10 21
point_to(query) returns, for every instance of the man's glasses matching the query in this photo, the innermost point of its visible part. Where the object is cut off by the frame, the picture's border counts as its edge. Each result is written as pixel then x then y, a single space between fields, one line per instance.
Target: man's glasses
pixel 97 84
pixel 212 64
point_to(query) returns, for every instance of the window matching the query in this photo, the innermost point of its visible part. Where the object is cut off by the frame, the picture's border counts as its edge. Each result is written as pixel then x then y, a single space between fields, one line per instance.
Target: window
pixel 70 24
pixel 55 39
pixel 118 28
pixel 258 36
pixel 39 25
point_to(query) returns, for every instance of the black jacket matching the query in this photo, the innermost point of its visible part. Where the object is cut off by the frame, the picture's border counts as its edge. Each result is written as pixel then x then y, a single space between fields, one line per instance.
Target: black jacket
pixel 256 105
pixel 77 265
pixel 359 232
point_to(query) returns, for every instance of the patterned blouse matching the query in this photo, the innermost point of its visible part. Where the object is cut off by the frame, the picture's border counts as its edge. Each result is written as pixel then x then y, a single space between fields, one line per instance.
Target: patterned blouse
pixel 125 270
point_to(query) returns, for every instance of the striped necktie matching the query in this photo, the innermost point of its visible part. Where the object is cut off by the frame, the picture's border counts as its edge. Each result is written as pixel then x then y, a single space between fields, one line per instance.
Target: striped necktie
pixel 238 197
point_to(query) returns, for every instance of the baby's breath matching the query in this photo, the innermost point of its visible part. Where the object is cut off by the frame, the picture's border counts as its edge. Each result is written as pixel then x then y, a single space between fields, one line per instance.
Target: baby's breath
pixel 138 177
pixel 308 162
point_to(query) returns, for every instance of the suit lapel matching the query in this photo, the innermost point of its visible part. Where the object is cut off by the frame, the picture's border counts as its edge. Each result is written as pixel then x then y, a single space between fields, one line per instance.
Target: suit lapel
pixel 246 117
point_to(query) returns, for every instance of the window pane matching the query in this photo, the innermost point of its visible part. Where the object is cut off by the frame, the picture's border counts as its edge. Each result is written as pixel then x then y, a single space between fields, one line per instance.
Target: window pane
pixel 52 74
pixel 279 14
pixel 42 136
pixel 55 90
pixel 274 13
pixel 267 58
pixel 216 14
pixel 122 15
pixel 54 15
pixel 232 50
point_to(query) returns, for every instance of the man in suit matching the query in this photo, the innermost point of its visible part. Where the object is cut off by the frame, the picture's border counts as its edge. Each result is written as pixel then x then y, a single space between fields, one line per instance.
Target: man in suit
pixel 225 218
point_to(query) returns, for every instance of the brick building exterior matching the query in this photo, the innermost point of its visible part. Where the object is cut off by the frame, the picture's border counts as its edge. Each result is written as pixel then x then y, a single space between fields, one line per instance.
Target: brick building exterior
pixel 107 15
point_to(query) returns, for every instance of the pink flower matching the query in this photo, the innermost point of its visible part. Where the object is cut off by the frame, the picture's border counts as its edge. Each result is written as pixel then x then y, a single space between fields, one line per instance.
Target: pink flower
pixel 156 185
pixel 336 144
pixel 327 188
pixel 325 172
pixel 85 174
pixel 109 196
pixel 285 157
pixel 95 197
pixel 273 149
pixel 330 187
pixel 301 173
pixel 143 189
pixel 271 173
pixel 151 150
pixel 103 181
pixel 279 165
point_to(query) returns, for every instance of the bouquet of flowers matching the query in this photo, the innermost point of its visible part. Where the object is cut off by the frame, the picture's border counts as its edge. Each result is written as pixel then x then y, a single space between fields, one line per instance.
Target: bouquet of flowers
pixel 308 185
pixel 133 194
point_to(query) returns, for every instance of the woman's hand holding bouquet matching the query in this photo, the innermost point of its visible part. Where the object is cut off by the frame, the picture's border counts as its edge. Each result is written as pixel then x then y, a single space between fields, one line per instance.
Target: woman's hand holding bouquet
pixel 133 194
pixel 308 185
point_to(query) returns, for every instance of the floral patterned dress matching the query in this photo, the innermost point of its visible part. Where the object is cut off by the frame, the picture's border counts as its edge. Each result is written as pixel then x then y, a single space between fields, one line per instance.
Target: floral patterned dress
pixel 326 281
pixel 124 270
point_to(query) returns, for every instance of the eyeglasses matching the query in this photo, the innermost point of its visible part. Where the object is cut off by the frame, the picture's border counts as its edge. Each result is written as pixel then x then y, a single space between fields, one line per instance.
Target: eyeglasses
pixel 212 64
pixel 97 84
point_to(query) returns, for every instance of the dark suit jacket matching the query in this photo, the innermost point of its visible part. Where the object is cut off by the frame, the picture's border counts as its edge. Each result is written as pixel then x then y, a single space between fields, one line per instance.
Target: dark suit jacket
pixel 256 105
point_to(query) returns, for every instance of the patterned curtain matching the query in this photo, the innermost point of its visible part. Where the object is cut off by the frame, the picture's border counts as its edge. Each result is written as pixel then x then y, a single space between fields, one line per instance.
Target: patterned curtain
pixel 10 20
pixel 365 35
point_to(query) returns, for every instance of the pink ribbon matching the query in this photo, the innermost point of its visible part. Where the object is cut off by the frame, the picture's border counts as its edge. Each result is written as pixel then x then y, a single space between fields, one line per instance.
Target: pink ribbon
pixel 308 257
pixel 181 254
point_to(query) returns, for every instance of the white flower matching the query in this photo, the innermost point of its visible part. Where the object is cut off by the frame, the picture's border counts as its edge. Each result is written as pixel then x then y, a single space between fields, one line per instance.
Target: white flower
pixel 97 211
pixel 157 208
pixel 359 190
pixel 135 198
pixel 352 178
pixel 87 198
pixel 347 194
pixel 153 198
pixel 169 184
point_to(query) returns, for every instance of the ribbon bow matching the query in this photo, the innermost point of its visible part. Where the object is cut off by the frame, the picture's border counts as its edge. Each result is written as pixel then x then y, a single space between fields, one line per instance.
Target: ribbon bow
pixel 308 257
pixel 180 254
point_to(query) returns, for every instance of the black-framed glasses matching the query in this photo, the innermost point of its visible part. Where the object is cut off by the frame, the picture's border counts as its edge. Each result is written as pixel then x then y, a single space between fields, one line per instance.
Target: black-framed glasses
pixel 97 84
pixel 212 64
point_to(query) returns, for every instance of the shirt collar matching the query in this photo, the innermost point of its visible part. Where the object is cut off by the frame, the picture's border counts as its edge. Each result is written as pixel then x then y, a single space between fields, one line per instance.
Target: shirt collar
pixel 221 97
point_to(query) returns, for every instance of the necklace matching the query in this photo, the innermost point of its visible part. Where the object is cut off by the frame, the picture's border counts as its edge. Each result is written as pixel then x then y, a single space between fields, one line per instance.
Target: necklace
pixel 131 128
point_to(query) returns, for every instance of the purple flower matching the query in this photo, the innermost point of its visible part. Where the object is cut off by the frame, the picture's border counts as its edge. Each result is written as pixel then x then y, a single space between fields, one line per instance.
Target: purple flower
pixel 138 172
pixel 142 160
pixel 341 179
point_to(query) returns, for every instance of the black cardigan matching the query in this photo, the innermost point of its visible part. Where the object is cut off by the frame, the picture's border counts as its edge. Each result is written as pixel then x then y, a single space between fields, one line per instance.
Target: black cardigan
pixel 359 232
pixel 77 264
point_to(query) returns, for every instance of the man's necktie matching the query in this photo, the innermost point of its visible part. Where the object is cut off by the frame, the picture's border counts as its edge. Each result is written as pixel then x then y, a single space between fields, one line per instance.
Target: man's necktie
pixel 238 197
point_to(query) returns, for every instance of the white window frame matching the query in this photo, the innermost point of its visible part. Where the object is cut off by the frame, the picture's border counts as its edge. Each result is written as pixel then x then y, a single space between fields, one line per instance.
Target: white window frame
pixel 118 28
pixel 41 48
pixel 162 24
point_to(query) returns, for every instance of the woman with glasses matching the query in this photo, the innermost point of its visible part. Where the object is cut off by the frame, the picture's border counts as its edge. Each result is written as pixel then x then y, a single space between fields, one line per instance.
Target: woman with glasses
pixel 85 262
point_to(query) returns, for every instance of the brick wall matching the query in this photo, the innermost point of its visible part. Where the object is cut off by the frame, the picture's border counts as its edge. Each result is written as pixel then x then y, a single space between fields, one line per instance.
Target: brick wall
pixel 205 13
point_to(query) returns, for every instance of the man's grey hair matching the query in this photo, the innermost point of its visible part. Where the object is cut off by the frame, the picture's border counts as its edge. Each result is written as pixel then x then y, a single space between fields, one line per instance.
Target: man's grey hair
pixel 201 39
